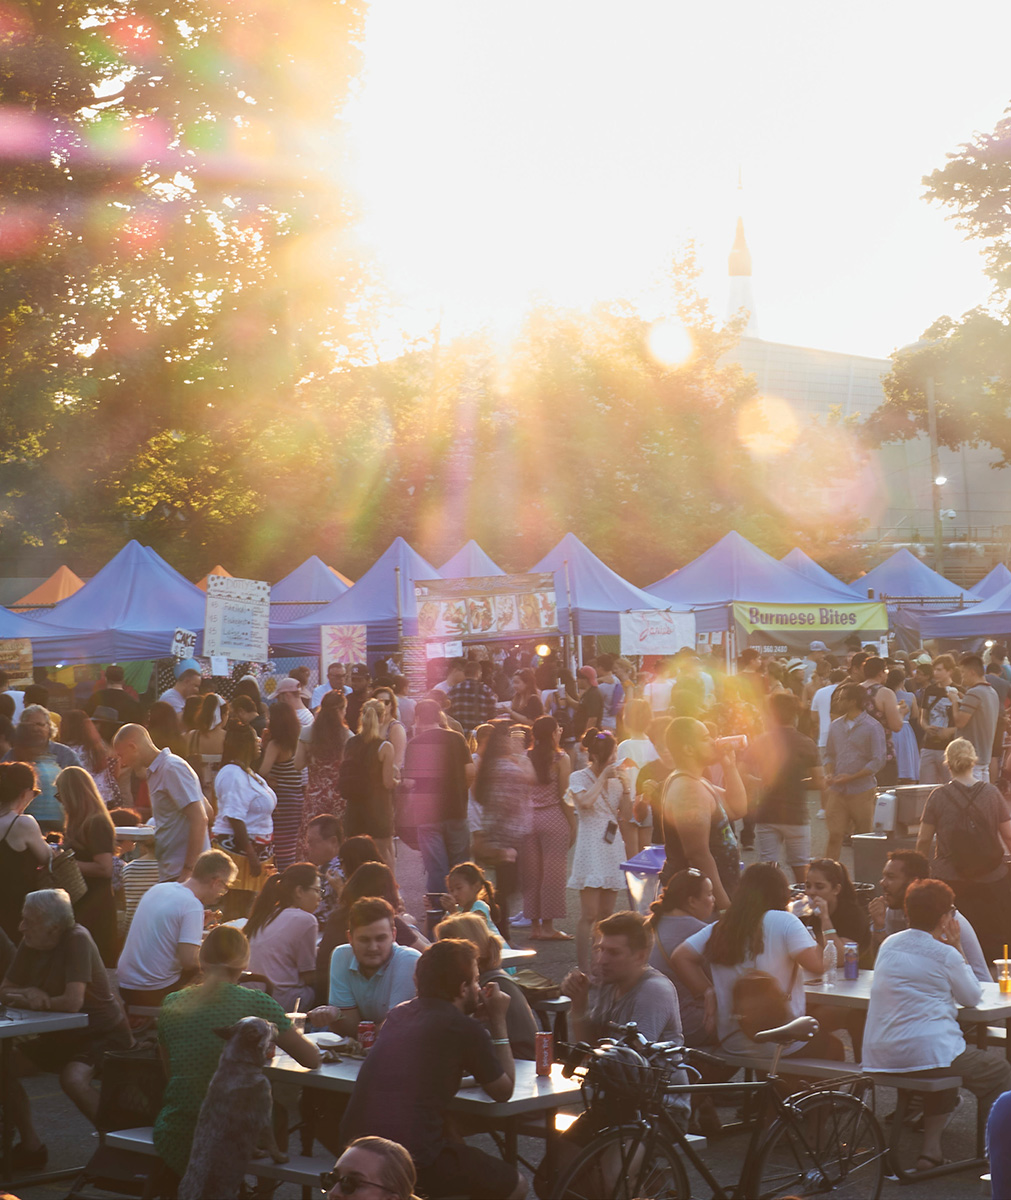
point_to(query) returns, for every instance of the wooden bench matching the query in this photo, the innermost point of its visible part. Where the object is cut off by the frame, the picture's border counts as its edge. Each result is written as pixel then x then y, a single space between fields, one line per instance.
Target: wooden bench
pixel 302 1170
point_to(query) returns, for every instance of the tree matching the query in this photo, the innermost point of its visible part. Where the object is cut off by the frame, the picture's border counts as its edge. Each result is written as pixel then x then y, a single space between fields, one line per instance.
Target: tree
pixel 969 359
pixel 174 264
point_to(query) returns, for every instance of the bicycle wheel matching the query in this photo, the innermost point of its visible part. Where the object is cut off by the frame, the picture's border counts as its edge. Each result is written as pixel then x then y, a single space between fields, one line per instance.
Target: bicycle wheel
pixel 628 1162
pixel 844 1152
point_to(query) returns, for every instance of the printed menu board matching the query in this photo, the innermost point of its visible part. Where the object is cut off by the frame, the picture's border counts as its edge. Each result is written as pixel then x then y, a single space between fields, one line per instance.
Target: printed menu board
pixel 486 606
pixel 237 622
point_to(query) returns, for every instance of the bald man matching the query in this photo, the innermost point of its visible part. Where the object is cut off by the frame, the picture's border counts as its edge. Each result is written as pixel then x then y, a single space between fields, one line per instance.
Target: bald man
pixel 177 802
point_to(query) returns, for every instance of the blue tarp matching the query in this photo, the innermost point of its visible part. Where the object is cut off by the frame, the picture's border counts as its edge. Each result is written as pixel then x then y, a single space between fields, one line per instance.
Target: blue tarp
pixel 996 581
pixel 905 575
pixel 807 567
pixel 735 570
pixel 989 618
pixel 129 610
pixel 305 589
pixel 469 562
pixel 49 646
pixel 599 594
pixel 372 602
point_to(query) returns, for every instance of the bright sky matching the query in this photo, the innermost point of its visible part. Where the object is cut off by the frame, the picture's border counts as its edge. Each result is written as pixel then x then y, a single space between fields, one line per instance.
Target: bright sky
pixel 507 149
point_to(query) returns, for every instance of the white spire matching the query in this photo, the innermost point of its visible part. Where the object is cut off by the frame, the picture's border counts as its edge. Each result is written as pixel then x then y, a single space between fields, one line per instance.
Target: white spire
pixel 739 264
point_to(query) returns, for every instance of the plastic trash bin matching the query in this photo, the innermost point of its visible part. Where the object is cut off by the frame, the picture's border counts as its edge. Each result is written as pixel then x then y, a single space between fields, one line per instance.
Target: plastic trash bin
pixel 642 877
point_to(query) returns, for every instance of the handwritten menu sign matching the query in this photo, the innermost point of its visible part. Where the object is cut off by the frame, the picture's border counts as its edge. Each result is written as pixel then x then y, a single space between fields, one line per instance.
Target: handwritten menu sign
pixel 184 643
pixel 450 610
pixel 16 660
pixel 237 619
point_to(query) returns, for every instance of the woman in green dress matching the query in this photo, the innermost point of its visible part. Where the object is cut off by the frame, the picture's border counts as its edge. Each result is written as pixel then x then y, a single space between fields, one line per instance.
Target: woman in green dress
pixel 190 1048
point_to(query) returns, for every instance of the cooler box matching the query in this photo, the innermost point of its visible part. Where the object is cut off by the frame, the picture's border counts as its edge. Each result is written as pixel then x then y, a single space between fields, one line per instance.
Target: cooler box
pixel 642 877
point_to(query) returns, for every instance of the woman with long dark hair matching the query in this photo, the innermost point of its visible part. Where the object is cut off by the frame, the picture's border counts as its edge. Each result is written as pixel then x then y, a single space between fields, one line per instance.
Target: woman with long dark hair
pixel 756 933
pixel 553 830
pixel 23 848
pixel 367 778
pixel 90 834
pixel 283 760
pixel 206 739
pixel 526 704
pixel 323 759
pixel 604 808
pixel 244 823
pixel 164 728
pixel 502 792
pixel 247 686
pixel 282 934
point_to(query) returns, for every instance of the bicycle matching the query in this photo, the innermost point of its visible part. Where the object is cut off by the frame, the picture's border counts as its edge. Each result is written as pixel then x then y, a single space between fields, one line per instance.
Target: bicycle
pixel 820 1140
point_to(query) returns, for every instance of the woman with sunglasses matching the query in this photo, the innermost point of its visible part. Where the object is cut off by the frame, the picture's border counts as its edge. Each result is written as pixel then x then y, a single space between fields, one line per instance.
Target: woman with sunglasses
pixel 23 849
pixel 391 728
pixel 373 1166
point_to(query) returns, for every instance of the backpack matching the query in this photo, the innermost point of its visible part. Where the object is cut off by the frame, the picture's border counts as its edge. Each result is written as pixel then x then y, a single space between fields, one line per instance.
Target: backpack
pixel 973 846
pixel 759 1003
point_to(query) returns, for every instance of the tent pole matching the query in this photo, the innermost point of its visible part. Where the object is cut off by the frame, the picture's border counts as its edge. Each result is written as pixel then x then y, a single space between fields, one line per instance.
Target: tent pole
pixel 568 605
pixel 731 639
pixel 400 613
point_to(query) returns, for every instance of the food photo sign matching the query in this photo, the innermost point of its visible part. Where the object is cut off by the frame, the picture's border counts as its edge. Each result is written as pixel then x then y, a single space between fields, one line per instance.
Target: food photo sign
pixel 486 607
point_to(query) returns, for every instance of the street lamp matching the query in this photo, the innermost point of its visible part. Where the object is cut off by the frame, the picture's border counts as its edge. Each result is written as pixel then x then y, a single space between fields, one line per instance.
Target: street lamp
pixel 935 465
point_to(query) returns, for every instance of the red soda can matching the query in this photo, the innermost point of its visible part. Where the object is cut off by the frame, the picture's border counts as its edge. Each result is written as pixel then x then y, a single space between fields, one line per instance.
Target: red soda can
pixel 544 1052
pixel 367 1034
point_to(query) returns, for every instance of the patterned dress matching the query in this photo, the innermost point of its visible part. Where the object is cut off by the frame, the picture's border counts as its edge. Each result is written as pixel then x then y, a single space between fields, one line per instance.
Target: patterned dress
pixel 545 852
pixel 187 1029
pixel 286 780
pixel 322 796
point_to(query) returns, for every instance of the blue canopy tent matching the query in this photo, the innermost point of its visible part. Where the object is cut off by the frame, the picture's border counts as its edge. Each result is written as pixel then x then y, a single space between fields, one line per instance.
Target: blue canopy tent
pixel 598 594
pixel 129 610
pixel 371 602
pixel 735 587
pixel 470 562
pixel 904 575
pixel 989 618
pixel 305 589
pixel 807 567
pixel 49 646
pixel 996 581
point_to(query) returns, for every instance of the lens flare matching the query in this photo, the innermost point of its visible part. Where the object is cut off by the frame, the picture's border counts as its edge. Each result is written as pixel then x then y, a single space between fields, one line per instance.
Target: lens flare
pixel 669 343
pixel 767 426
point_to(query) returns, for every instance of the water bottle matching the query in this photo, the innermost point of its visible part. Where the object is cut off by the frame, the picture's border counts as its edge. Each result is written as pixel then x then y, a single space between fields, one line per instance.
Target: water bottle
pixel 830 961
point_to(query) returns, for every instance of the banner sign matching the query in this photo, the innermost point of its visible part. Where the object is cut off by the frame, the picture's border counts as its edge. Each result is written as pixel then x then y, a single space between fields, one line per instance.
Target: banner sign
pixel 16 660
pixel 452 610
pixel 341 644
pixel 184 644
pixel 656 631
pixel 779 628
pixel 237 623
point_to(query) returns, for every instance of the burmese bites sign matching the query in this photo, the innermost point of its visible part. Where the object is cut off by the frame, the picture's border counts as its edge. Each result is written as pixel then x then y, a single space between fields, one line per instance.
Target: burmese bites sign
pixel 813 619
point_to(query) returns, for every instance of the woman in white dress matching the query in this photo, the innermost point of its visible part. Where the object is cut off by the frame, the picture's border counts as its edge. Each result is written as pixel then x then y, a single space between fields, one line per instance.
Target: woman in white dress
pixel 603 804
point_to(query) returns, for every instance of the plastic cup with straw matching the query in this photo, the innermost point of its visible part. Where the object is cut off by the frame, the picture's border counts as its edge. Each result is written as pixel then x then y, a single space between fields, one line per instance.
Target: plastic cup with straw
pixel 1003 966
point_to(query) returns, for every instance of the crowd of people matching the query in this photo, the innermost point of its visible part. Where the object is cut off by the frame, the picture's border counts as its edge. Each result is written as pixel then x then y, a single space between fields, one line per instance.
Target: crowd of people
pixel 133 833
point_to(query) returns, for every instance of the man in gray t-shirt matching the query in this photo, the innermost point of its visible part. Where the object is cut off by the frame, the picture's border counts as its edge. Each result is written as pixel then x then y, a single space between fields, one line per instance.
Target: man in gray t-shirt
pixel 978 711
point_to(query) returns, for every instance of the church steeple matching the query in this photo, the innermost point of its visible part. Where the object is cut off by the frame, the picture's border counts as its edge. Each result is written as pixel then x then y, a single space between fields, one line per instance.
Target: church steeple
pixel 739 269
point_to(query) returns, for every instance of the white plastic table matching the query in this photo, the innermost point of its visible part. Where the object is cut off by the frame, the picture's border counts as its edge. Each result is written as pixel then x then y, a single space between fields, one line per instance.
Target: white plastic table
pixel 512 958
pixel 20 1022
pixel 532 1094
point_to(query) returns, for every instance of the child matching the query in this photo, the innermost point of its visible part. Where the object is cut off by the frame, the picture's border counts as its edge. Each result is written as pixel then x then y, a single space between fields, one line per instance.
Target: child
pixel 139 874
pixel 470 891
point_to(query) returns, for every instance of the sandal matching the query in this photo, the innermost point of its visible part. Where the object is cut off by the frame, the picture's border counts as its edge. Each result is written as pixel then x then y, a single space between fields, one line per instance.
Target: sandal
pixel 556 935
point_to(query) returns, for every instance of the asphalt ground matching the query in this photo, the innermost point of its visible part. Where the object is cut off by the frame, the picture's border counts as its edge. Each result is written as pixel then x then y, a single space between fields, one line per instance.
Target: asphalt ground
pixel 71 1140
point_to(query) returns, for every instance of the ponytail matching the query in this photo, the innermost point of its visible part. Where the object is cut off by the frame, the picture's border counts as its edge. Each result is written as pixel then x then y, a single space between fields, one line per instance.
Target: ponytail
pixel 278 893
pixel 473 874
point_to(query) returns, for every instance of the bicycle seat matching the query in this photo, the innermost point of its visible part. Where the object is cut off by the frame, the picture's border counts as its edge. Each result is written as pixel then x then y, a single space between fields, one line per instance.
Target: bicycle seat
pixel 801 1030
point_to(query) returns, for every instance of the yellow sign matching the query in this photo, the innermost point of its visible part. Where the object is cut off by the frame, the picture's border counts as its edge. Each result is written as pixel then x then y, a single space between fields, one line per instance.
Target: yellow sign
pixel 16 660
pixel 822 621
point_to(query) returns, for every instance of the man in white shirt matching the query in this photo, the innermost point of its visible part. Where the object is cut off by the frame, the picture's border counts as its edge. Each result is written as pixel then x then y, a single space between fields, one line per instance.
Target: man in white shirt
pixel 920 976
pixel 188 684
pixel 163 943
pixel 178 808
pixel 454 675
pixel 336 676
pixel 17 697
pixel 815 654
pixel 821 705
pixel 289 691
pixel 888 911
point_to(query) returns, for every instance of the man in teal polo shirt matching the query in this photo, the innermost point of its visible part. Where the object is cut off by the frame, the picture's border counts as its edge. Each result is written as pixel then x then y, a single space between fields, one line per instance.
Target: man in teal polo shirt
pixel 369 976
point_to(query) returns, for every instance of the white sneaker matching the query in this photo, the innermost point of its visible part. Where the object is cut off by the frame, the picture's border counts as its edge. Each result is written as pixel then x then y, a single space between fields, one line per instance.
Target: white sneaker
pixel 821 814
pixel 520 921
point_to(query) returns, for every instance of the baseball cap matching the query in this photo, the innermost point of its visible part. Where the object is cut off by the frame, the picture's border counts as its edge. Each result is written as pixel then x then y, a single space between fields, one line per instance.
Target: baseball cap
pixel 795 664
pixel 287 685
pixel 359 669
pixel 589 674
pixel 819 646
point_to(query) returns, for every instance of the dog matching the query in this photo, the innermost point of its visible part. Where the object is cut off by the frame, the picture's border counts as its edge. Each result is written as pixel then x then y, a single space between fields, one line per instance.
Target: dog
pixel 235 1115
